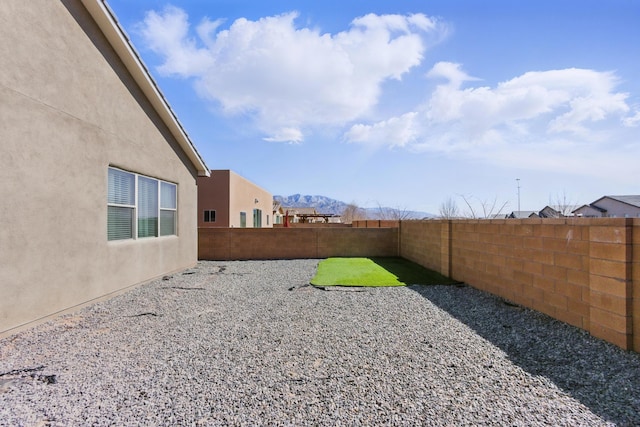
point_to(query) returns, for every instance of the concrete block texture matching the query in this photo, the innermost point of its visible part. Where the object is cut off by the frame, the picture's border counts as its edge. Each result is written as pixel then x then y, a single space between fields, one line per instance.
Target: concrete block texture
pixel 583 271
pixel 292 243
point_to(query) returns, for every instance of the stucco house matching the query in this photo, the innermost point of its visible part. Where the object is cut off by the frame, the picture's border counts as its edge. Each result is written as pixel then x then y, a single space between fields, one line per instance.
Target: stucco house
pixel 226 199
pixel 612 207
pixel 97 175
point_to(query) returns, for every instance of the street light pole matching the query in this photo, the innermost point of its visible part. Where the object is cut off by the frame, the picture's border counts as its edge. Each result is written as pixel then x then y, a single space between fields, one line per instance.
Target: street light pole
pixel 518 181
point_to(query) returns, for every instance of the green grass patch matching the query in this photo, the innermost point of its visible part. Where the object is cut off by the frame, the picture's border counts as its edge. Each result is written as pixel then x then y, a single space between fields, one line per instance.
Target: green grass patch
pixel 375 272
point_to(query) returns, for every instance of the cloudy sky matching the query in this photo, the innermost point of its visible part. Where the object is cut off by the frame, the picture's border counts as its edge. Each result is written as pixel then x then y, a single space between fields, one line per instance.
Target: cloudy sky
pixel 405 103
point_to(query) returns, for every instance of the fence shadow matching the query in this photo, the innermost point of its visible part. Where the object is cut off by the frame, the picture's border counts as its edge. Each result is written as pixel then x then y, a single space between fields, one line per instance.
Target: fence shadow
pixel 411 273
pixel 600 375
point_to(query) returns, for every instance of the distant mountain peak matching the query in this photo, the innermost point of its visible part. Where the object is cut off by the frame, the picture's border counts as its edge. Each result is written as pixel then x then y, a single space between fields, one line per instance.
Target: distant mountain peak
pixel 322 204
pixel 327 205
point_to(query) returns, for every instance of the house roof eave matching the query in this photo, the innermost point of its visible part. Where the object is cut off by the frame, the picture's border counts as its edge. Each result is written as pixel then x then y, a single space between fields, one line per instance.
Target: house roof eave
pixel 115 34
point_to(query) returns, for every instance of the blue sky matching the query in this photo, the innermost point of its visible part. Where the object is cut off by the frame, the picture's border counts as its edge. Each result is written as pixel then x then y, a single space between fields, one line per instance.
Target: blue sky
pixel 405 103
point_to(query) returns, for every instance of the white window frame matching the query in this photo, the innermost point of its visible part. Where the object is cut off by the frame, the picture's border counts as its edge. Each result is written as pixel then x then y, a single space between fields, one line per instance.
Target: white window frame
pixel 165 208
pixel 134 207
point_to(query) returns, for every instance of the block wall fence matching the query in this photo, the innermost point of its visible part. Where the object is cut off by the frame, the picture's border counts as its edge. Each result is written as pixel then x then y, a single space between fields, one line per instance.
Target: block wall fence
pixel 582 271
pixel 292 243
pixel 376 223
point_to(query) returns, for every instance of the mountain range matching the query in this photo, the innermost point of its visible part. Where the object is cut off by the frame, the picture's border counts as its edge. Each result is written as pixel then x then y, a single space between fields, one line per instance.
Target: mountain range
pixel 327 205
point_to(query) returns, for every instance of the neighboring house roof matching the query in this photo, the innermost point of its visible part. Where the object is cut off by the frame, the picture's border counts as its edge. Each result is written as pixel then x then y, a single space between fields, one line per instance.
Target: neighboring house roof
pixel 549 212
pixel 632 200
pixel 305 211
pixel 298 211
pixel 594 207
pixel 557 210
pixel 522 214
pixel 115 34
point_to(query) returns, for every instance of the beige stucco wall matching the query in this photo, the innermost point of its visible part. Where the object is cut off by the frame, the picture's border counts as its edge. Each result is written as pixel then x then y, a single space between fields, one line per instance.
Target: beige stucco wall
pixel 68 110
pixel 246 196
pixel 228 194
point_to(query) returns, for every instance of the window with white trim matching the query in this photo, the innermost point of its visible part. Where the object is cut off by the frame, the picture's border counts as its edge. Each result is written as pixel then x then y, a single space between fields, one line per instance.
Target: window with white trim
pixel 139 206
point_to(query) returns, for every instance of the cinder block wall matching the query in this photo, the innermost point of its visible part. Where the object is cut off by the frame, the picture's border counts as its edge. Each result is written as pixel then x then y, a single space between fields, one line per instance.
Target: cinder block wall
pixel 421 242
pixel 292 243
pixel 635 286
pixel 583 271
pixel 375 223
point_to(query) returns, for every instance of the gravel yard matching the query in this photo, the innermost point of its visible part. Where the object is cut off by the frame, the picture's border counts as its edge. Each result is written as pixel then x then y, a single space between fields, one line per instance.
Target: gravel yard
pixel 251 343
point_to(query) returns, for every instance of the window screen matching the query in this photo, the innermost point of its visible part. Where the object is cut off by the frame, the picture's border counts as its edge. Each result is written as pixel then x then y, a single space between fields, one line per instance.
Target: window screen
pixel 168 209
pixel 147 207
pixel 121 204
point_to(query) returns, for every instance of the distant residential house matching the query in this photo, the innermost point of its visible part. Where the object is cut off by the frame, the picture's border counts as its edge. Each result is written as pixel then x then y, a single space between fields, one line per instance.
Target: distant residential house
pixel 523 214
pixel 226 199
pixel 612 207
pixel 589 211
pixel 556 211
pixel 278 213
pixel 306 215
pixel 97 175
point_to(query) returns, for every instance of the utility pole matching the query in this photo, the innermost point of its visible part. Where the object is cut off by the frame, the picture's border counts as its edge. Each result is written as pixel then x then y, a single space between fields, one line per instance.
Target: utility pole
pixel 518 181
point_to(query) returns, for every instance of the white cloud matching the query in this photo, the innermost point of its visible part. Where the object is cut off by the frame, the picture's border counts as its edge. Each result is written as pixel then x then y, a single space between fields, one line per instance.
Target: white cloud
pixel 287 77
pixel 545 120
pixel 290 135
pixel 570 99
pixel 395 132
pixel 451 72
pixel 632 121
pixel 168 34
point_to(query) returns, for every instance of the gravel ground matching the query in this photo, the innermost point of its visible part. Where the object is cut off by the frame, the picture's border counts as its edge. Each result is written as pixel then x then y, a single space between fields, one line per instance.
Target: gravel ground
pixel 251 343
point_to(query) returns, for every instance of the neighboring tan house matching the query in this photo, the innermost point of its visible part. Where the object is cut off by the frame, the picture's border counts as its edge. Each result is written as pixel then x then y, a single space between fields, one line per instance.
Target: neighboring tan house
pixel 225 199
pixel 612 207
pixel 97 176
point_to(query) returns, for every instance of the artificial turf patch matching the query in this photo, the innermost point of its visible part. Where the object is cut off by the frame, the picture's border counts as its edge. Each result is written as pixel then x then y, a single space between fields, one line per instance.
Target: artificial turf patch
pixel 376 271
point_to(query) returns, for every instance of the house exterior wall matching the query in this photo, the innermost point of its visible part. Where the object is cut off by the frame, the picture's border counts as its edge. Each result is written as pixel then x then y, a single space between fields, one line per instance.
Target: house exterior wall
pixel 588 212
pixel 243 198
pixel 68 110
pixel 214 194
pixel 229 194
pixel 616 209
